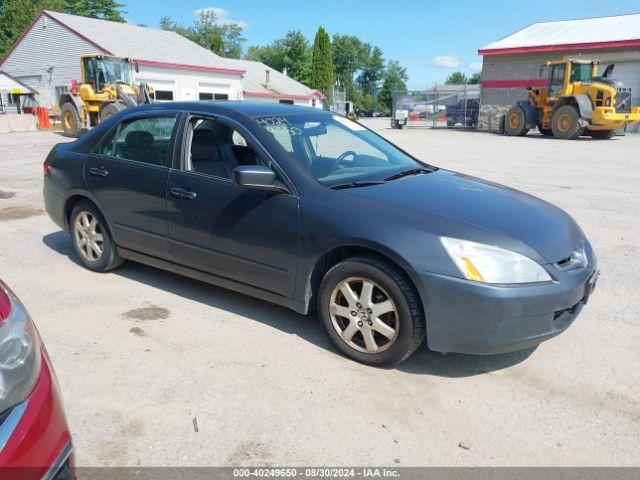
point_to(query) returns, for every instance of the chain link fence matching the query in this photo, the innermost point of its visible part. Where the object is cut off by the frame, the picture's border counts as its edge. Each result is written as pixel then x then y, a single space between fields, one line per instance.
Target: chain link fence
pixel 445 106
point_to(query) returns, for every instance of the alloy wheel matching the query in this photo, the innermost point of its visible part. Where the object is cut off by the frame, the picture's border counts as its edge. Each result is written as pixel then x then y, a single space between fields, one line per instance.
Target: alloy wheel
pixel 364 315
pixel 88 236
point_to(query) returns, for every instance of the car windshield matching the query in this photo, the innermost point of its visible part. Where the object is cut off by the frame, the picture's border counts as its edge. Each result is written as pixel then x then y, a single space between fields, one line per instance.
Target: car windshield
pixel 580 72
pixel 336 150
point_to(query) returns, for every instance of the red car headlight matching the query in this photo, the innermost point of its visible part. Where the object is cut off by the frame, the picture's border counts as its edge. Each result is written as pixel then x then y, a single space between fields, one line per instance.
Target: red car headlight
pixel 20 355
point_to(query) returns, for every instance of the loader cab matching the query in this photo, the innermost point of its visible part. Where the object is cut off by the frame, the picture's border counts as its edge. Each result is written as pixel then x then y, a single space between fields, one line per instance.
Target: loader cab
pixel 564 73
pixel 99 70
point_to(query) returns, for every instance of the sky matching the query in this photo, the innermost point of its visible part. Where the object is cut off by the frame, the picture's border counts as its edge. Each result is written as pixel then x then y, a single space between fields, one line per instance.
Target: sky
pixel 430 38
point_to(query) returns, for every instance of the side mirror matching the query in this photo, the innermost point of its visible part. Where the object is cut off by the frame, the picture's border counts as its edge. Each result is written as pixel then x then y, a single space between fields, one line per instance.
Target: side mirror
pixel 258 177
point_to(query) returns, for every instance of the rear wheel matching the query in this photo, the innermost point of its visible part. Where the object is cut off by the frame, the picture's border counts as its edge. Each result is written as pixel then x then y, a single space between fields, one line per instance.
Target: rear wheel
pixel 602 134
pixel 565 123
pixel 70 120
pixel 111 109
pixel 515 124
pixel 92 241
pixel 371 311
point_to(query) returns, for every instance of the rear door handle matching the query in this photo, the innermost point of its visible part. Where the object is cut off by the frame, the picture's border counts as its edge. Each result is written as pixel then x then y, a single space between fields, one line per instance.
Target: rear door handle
pixel 98 172
pixel 183 193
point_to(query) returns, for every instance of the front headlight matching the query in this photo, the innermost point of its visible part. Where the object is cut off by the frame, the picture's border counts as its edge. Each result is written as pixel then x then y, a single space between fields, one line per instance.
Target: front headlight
pixel 488 264
pixel 19 353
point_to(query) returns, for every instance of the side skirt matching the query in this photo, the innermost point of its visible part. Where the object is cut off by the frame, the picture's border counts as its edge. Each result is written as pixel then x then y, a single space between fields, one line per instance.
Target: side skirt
pixel 213 279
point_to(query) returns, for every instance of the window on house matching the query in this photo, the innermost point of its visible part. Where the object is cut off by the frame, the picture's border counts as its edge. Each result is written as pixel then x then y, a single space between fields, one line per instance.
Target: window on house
pixel 206 96
pixel 286 102
pixel 221 96
pixel 164 95
pixel 313 102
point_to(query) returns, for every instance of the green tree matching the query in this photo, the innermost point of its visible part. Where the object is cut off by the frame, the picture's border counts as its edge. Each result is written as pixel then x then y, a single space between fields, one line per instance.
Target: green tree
pixel 102 9
pixel 271 55
pixel 372 70
pixel 394 80
pixel 456 78
pixel 206 31
pixel 349 54
pixel 297 56
pixel 475 78
pixel 322 73
pixel 17 15
pixel 217 44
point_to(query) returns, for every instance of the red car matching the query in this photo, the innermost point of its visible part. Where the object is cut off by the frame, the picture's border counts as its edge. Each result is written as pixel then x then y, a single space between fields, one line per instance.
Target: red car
pixel 35 442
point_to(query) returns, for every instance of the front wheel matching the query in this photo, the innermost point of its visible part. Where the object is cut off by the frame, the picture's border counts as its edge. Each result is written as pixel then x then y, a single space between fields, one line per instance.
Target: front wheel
pixel 371 311
pixel 565 123
pixel 71 124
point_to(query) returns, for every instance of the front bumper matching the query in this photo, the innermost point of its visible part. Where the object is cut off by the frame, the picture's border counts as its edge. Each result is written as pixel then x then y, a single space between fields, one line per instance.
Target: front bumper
pixel 608 116
pixel 475 318
pixel 37 443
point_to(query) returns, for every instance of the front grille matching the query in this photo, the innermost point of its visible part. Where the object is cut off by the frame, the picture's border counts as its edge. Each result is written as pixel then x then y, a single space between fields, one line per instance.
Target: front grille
pixel 623 100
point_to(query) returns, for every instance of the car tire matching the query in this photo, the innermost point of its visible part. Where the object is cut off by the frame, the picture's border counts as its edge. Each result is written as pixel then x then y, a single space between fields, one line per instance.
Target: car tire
pixel 515 122
pixel 92 239
pixel 602 134
pixel 565 123
pixel 395 332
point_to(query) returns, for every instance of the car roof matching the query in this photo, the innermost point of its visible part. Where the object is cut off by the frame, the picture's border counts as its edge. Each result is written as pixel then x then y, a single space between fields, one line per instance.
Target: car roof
pixel 250 109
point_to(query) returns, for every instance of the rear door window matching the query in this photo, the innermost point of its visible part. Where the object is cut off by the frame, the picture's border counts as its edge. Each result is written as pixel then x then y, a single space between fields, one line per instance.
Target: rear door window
pixel 145 140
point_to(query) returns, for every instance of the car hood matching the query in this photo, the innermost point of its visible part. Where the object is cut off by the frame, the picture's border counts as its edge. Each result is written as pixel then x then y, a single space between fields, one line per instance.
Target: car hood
pixel 543 227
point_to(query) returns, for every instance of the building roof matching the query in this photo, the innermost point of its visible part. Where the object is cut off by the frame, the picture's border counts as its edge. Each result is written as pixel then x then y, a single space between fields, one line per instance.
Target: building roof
pixel 146 45
pixel 590 33
pixel 280 85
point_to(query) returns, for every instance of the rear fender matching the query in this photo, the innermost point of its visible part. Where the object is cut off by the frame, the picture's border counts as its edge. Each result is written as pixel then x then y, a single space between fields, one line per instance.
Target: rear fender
pixel 530 113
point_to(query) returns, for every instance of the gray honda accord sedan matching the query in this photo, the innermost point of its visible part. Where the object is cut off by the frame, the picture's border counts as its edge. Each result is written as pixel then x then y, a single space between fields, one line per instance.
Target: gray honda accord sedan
pixel 309 210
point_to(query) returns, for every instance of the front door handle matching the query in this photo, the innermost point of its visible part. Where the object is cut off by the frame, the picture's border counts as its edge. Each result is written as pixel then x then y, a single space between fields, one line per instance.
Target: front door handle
pixel 183 193
pixel 98 172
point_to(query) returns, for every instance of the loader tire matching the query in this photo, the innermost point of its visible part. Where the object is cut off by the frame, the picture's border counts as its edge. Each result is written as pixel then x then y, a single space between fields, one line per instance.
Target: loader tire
pixel 111 109
pixel 515 123
pixel 602 134
pixel 71 124
pixel 565 123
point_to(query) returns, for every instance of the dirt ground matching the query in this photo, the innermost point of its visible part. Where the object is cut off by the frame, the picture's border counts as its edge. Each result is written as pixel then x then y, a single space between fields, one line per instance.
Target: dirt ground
pixel 141 353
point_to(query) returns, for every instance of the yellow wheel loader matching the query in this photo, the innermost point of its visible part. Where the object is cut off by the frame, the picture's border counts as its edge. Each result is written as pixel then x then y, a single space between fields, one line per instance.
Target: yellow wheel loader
pixel 576 102
pixel 106 89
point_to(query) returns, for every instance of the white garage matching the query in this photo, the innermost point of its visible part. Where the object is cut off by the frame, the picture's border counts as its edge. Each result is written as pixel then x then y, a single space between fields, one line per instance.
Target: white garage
pixel 513 63
pixel 47 59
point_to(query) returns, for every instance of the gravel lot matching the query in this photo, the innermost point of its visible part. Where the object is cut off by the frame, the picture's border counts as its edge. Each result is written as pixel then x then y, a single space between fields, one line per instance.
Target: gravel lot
pixel 140 352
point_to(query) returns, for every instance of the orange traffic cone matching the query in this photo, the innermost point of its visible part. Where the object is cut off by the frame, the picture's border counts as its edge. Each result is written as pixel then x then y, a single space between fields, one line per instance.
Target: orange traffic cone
pixel 43 119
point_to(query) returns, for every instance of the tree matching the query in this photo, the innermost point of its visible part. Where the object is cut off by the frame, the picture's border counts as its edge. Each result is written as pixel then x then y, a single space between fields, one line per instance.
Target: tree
pixel 271 55
pixel 217 44
pixel 322 73
pixel 17 15
pixel 349 54
pixel 372 70
pixel 456 78
pixel 297 56
pixel 102 9
pixel 475 78
pixel 206 31
pixel 394 80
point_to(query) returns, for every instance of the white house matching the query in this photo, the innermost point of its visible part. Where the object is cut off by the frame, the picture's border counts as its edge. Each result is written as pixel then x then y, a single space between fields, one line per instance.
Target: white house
pixel 47 58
